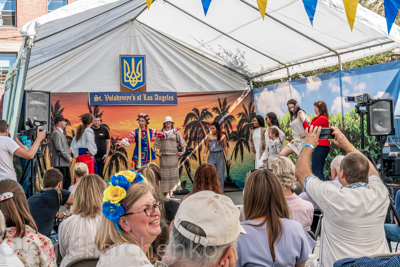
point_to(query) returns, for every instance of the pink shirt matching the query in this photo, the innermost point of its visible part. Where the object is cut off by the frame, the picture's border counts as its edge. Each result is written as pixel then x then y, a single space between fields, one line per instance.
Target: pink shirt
pixel 300 210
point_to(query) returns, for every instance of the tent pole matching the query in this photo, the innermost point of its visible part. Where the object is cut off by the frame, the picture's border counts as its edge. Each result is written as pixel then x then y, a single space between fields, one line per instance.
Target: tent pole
pixel 341 85
pixel 19 90
pixel 290 79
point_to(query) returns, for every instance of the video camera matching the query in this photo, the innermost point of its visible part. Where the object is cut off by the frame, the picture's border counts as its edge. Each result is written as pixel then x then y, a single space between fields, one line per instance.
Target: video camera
pixel 361 100
pixel 31 133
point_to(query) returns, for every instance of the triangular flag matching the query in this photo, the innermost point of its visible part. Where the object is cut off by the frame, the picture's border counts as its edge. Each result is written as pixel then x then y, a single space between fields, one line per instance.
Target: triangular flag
pixel 206 5
pixel 149 3
pixel 391 10
pixel 351 10
pixel 262 6
pixel 310 6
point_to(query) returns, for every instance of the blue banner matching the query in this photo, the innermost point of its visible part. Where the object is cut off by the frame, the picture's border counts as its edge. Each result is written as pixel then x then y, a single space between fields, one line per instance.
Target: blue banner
pixel 133 98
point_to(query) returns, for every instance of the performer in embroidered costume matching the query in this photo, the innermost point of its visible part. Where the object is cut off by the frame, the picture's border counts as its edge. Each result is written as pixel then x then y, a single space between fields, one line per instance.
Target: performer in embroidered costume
pixel 144 153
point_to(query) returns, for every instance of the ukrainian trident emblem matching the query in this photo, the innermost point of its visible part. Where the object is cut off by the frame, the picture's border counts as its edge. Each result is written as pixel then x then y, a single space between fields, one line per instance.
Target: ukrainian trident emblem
pixel 133 72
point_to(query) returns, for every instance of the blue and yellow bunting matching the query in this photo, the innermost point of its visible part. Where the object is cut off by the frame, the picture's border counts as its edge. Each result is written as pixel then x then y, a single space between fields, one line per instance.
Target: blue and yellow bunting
pixel 206 5
pixel 391 10
pixel 310 6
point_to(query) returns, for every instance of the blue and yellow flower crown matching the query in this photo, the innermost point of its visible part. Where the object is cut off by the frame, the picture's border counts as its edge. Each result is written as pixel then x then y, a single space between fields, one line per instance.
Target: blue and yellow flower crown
pixel 115 192
pixel 145 116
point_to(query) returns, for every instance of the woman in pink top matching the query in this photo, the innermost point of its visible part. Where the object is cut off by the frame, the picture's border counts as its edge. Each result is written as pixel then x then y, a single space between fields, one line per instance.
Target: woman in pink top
pixel 300 210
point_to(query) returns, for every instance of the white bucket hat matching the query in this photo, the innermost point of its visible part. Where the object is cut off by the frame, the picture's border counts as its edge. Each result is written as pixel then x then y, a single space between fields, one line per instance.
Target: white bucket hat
pixel 168 119
pixel 215 214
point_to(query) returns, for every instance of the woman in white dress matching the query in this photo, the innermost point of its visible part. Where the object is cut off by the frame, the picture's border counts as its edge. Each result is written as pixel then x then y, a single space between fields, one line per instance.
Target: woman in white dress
pixel 296 124
pixel 272 121
pixel 257 140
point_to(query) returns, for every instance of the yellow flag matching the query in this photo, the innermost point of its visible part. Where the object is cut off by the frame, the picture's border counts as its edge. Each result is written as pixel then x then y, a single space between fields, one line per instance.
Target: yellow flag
pixel 262 5
pixel 149 3
pixel 351 10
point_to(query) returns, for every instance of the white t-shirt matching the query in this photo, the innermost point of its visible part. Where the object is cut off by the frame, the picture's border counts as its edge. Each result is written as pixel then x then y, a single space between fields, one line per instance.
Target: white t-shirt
pixel 353 221
pixel 7 149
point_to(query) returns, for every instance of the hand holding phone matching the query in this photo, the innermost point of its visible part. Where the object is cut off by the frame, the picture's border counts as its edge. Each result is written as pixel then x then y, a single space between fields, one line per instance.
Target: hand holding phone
pixel 326 133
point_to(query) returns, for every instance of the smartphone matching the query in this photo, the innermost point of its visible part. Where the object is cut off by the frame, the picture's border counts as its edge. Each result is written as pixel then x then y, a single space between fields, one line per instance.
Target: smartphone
pixel 326 133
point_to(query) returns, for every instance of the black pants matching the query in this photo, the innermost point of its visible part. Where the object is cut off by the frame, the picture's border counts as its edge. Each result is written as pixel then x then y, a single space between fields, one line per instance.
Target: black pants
pixel 100 166
pixel 318 161
pixel 66 176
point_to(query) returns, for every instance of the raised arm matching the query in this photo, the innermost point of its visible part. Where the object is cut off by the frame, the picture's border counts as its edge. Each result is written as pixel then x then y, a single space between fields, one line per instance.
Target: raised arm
pixel 303 166
pixel 165 134
pixel 127 140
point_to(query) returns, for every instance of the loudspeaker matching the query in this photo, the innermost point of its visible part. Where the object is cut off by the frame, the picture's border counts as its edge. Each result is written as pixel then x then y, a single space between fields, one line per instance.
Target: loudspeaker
pixel 38 107
pixel 380 117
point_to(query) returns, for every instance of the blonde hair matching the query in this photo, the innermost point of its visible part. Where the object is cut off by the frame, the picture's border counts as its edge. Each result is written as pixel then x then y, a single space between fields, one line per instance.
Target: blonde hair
pixel 107 234
pixel 80 170
pixel 88 196
pixel 284 170
pixel 153 179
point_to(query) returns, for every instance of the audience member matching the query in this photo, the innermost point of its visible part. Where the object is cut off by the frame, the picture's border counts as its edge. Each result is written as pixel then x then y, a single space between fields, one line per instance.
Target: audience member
pixel 392 231
pixel 335 170
pixel 7 256
pixel 102 140
pixel 8 148
pixel 80 171
pixel 205 232
pixel 272 239
pixel 354 215
pixel 151 172
pixel 205 178
pixel 170 207
pixel 61 156
pixel 130 225
pixel 77 233
pixel 32 248
pixel 300 210
pixel 45 206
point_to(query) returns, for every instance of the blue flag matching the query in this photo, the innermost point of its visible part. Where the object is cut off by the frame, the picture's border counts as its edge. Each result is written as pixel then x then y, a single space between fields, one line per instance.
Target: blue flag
pixel 391 9
pixel 310 6
pixel 206 5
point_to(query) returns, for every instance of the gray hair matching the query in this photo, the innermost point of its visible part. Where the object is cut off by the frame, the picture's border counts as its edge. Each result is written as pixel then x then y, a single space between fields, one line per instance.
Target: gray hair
pixel 2 226
pixel 182 252
pixel 335 164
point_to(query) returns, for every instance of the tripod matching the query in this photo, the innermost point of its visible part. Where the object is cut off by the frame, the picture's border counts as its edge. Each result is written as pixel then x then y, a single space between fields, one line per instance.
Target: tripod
pixel 368 154
pixel 38 158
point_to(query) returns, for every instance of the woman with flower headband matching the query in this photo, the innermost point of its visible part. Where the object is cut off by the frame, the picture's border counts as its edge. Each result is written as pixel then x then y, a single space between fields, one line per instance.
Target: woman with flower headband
pixel 143 152
pixel 131 221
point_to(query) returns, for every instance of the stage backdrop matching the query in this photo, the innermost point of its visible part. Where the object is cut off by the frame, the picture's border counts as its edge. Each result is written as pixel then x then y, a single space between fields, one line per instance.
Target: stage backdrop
pixel 380 81
pixel 194 112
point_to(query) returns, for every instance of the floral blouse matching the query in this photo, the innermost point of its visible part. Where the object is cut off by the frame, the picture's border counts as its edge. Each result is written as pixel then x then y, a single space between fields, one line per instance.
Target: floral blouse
pixel 33 249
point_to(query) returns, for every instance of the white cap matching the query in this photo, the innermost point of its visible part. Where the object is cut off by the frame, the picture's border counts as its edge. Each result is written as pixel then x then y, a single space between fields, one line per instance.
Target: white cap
pixel 168 119
pixel 214 213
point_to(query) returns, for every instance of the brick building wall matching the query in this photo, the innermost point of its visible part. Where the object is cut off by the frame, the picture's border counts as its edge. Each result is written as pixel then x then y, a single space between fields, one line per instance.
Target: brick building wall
pixel 27 10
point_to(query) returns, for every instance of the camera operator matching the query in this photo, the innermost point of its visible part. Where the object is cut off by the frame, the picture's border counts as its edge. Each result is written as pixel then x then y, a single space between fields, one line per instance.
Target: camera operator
pixel 8 148
pixel 61 157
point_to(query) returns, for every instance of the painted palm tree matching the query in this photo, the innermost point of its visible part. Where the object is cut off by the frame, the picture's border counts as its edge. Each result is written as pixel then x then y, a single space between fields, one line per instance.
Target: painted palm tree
pixel 241 137
pixel 118 156
pixel 196 127
pixel 246 116
pixel 185 161
pixel 223 117
pixel 56 110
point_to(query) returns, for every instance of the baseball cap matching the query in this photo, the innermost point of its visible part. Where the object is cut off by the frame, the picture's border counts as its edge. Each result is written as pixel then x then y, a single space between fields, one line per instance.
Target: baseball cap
pixel 59 118
pixel 214 213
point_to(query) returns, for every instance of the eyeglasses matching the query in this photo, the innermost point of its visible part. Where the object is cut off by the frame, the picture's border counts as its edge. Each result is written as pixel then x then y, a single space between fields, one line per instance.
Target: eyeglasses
pixel 149 210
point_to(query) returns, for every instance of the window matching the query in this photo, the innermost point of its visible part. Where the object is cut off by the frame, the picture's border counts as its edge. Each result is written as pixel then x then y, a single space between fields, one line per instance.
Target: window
pixel 54 4
pixel 6 61
pixel 8 12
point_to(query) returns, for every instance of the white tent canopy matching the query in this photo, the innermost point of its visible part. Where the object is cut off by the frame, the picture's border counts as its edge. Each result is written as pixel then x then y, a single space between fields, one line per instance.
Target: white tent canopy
pixel 77 47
